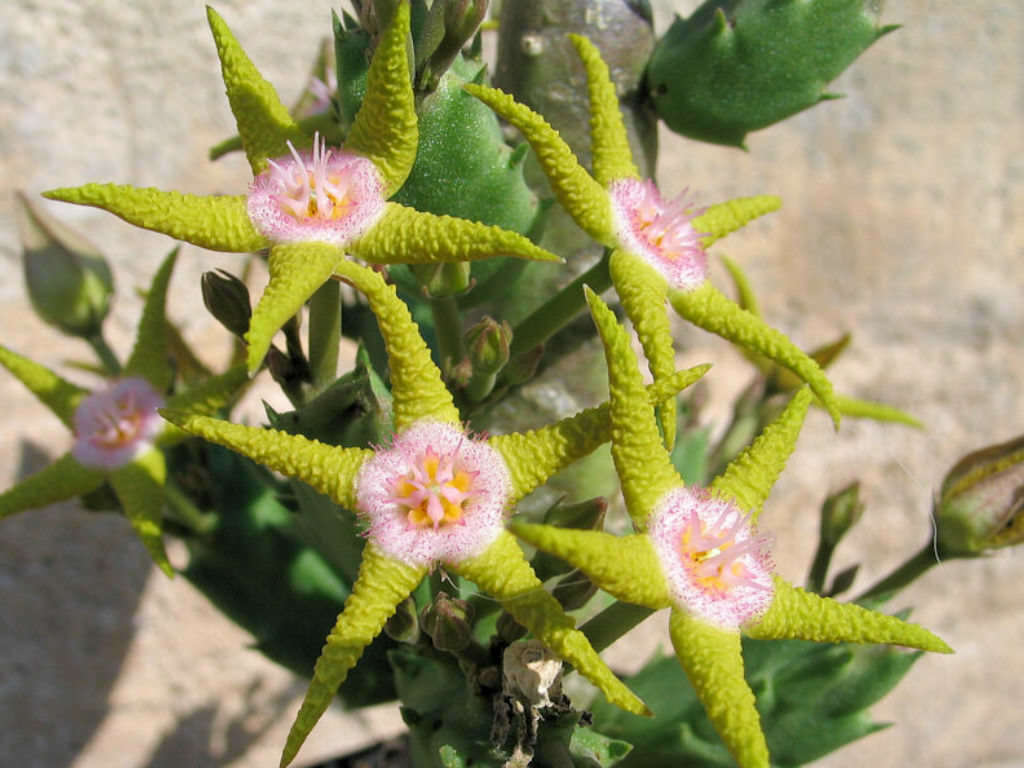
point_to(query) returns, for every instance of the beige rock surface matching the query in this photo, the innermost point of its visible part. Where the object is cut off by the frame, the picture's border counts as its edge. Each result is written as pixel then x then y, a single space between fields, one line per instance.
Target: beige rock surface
pixel 899 225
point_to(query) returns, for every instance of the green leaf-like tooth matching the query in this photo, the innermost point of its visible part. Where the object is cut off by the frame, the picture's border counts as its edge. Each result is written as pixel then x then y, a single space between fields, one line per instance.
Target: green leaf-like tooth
pixel 749 478
pixel 385 128
pixel 139 486
pixel 404 235
pixel 64 479
pixel 416 384
pixel 712 661
pixel 56 393
pixel 328 469
pixel 853 408
pixel 642 292
pixel 502 571
pixel 796 613
pixel 381 585
pixel 296 271
pixel 264 123
pixel 722 218
pixel 532 457
pixel 644 468
pixel 707 308
pixel 612 156
pixel 219 223
pixel 601 557
pixel 149 355
pixel 580 195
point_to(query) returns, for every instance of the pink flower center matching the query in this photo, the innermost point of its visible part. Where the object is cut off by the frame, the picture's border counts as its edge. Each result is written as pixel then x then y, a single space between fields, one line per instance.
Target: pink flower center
pixel 115 425
pixel 318 195
pixel 659 231
pixel 434 492
pixel 715 562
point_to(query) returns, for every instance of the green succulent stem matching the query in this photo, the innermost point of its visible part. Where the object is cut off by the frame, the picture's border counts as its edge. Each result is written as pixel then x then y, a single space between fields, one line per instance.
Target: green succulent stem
pixel 545 321
pixel 906 573
pixel 105 354
pixel 613 622
pixel 449 330
pixel 324 334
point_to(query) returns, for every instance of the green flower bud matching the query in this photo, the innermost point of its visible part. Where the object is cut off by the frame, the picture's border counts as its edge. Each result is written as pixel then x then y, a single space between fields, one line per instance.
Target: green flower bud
pixel 448 621
pixel 487 343
pixel 69 282
pixel 404 626
pixel 227 299
pixel 981 504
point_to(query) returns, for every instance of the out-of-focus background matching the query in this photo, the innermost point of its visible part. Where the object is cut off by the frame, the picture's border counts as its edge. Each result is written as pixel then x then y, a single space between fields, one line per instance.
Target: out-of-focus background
pixel 899 226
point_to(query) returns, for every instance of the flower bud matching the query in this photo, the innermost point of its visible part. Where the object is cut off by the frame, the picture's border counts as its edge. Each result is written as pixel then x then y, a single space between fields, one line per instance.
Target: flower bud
pixel 981 504
pixel 574 590
pixel 227 299
pixel 487 344
pixel 839 513
pixel 404 626
pixel 448 621
pixel 69 282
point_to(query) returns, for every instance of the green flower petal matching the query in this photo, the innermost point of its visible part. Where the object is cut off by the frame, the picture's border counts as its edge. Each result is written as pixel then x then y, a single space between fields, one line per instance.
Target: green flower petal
pixel 722 218
pixel 502 571
pixel 626 567
pixel 749 478
pixel 416 384
pixel 264 123
pixel 580 195
pixel 710 310
pixel 56 393
pixel 612 156
pixel 139 486
pixel 712 661
pixel 642 292
pixel 381 585
pixel 645 471
pixel 796 613
pixel 219 223
pixel 204 399
pixel 64 479
pixel 149 357
pixel 296 271
pixel 866 409
pixel 328 469
pixel 532 457
pixel 385 128
pixel 407 236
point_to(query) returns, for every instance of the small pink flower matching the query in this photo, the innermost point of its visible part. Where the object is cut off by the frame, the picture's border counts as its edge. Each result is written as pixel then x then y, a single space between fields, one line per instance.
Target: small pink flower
pixel 319 195
pixel 716 564
pixel 436 495
pixel 660 232
pixel 115 425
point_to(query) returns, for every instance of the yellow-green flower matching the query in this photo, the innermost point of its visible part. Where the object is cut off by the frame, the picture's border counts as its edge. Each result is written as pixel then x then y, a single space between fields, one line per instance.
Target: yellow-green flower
pixel 302 199
pixel 698 553
pixel 657 245
pixel 436 496
pixel 118 432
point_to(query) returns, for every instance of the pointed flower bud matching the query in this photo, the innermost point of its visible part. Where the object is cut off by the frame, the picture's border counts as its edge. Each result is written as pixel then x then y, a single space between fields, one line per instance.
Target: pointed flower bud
pixel 981 505
pixel 69 282
pixel 435 495
pixel 715 563
pixel 113 426
pixel 404 625
pixel 227 299
pixel 448 621
pixel 487 343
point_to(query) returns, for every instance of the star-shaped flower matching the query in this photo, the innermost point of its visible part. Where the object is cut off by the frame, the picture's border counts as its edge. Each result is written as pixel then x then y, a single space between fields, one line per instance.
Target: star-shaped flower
pixel 302 200
pixel 118 432
pixel 436 495
pixel 698 552
pixel 657 244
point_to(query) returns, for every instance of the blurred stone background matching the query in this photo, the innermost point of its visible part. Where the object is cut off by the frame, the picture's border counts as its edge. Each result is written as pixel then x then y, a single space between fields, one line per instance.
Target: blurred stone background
pixel 899 226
